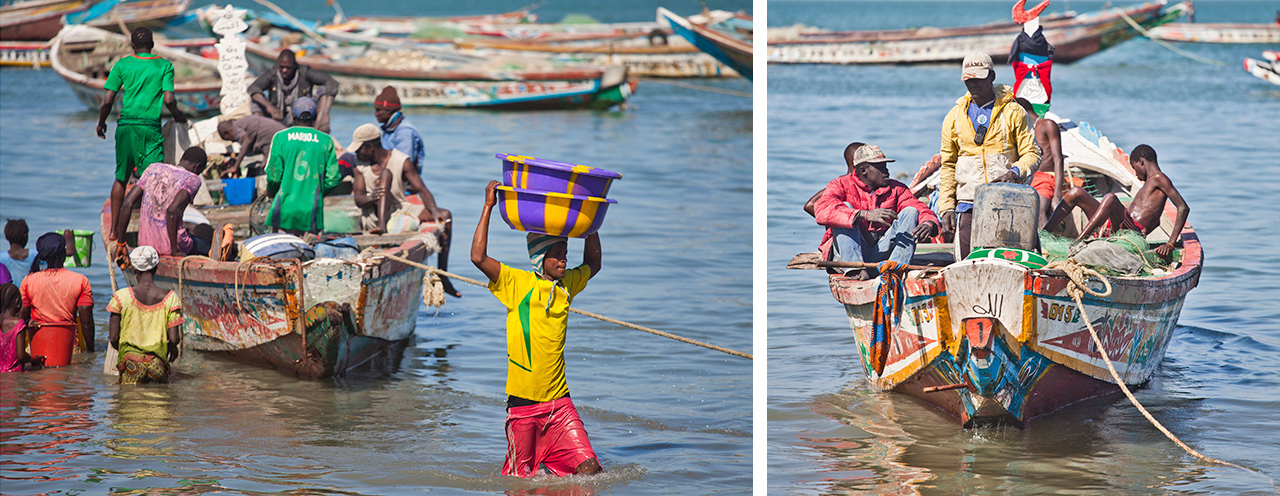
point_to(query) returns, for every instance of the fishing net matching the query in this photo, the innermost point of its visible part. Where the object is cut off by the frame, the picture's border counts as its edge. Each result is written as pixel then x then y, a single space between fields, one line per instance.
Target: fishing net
pixel 1124 253
pixel 436 31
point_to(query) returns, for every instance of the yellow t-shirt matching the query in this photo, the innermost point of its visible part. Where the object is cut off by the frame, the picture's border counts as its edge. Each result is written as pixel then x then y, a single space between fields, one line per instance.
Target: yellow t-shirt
pixel 145 328
pixel 536 332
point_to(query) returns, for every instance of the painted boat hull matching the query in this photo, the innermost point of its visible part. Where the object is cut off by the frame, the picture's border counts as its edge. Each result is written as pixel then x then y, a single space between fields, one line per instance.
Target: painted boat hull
pixel 1073 39
pixel 726 49
pixel 1218 33
pixel 36 21
pixel 528 90
pixel 1264 70
pixel 675 61
pixel 196 96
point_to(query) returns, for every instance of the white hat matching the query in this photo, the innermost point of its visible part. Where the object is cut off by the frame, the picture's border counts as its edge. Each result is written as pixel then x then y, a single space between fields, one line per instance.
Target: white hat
pixel 364 134
pixel 144 258
pixel 869 153
pixel 976 66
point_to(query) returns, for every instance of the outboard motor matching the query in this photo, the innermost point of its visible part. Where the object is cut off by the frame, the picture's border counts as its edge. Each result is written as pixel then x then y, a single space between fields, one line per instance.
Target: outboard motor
pixel 1006 215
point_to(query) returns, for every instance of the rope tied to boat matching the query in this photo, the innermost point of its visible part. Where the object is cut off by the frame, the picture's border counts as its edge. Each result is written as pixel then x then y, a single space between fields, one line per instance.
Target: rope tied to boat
pixel 1174 49
pixel 1077 272
pixel 441 273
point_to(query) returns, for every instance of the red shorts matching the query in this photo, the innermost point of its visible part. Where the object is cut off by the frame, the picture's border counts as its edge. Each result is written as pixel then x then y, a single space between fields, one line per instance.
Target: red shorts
pixel 546 434
pixel 1131 224
pixel 1043 183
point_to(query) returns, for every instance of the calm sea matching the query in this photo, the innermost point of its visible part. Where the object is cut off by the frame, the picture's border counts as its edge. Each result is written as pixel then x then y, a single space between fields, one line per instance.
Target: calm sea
pixel 664 417
pixel 1215 128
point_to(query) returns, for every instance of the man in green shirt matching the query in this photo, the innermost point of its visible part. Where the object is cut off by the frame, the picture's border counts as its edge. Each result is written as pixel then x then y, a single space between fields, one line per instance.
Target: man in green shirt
pixel 301 168
pixel 145 80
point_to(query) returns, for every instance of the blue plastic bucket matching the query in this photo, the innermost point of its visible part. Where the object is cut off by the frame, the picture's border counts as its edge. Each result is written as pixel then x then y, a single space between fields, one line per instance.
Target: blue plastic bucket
pixel 238 191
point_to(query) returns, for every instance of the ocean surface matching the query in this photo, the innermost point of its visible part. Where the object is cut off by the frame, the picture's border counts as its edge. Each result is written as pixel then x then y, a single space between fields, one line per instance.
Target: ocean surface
pixel 1215 129
pixel 664 417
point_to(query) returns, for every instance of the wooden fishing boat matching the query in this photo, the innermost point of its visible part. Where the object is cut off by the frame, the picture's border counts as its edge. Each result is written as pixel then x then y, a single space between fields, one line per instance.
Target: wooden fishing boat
pixel 84 55
pixel 988 340
pixel 36 20
pixel 315 319
pixel 24 54
pixel 1267 70
pixel 723 35
pixel 428 78
pixel 643 55
pixel 1218 33
pixel 1073 36
pixel 152 14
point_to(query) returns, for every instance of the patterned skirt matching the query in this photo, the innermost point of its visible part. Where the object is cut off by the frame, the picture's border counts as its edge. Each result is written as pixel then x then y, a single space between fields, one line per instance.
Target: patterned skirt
pixel 142 368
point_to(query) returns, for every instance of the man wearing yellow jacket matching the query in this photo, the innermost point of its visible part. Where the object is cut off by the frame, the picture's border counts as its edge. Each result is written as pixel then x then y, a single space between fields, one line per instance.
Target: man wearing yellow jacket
pixel 985 139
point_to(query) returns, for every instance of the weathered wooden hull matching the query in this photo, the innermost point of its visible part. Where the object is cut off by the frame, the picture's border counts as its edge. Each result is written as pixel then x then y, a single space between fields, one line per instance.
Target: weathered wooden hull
pixel 674 61
pixel 1218 33
pixel 1073 39
pixel 151 14
pixel 197 96
pixel 726 49
pixel 37 20
pixel 1263 70
pixel 495 90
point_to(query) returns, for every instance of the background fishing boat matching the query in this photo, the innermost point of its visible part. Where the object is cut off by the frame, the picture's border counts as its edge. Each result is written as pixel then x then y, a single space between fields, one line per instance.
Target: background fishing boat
pixel 84 55
pixel 1073 37
pixel 24 54
pixel 726 36
pixel 1218 33
pixel 36 20
pixel 1266 70
pixel 117 15
pixel 428 78
pixel 990 340
pixel 643 55
pixel 315 319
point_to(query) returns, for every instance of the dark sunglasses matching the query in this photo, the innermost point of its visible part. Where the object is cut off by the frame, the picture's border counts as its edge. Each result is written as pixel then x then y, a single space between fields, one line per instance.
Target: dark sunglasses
pixel 981 134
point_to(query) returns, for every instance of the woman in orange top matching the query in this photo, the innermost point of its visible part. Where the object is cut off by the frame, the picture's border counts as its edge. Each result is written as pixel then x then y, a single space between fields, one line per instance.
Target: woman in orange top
pixel 52 299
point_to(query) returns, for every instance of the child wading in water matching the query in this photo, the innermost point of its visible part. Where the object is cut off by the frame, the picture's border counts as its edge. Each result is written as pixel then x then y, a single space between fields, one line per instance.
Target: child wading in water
pixel 146 323
pixel 13 343
pixel 543 427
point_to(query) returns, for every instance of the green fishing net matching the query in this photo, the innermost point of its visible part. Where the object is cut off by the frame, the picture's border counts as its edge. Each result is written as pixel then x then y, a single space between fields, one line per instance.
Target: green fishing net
pixel 1057 248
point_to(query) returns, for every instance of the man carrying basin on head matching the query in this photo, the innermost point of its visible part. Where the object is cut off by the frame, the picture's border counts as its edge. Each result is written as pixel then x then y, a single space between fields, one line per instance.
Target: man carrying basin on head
pixel 275 92
pixel 985 139
pixel 543 427
pixel 869 217
pixel 379 184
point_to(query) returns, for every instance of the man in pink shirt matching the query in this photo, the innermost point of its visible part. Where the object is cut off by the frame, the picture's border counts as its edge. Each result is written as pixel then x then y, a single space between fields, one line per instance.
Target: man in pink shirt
pixel 869 217
pixel 165 191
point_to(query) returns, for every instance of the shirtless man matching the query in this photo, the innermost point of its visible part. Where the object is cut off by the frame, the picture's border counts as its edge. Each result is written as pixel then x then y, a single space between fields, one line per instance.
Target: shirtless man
pixel 1049 178
pixel 1143 213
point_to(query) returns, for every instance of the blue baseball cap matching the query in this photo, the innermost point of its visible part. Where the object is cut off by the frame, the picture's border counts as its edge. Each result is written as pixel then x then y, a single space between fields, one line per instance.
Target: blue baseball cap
pixel 304 108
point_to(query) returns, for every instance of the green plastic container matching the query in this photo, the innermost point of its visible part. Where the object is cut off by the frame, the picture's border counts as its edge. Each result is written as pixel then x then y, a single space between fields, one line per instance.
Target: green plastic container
pixel 84 249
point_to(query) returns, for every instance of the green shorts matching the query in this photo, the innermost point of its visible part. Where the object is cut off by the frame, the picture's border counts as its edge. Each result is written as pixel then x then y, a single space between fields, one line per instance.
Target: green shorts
pixel 138 145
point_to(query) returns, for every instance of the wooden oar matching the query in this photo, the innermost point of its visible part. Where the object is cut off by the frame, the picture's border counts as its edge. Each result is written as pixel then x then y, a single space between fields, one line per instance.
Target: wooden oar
pixel 813 261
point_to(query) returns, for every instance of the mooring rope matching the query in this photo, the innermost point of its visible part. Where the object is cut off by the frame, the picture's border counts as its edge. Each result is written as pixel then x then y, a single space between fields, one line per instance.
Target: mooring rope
pixel 1078 273
pixel 610 320
pixel 698 87
pixel 1166 44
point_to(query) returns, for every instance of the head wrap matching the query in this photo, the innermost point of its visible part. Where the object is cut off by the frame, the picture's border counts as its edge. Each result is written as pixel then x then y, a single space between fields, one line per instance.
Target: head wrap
pixel 539 244
pixel 51 252
pixel 144 258
pixel 388 99
pixel 9 296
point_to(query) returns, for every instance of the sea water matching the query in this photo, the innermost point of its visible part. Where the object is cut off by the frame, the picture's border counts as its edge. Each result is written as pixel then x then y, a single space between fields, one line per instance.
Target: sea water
pixel 663 416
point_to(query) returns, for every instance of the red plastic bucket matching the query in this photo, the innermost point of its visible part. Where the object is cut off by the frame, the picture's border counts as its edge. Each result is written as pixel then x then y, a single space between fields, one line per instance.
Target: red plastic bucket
pixel 54 343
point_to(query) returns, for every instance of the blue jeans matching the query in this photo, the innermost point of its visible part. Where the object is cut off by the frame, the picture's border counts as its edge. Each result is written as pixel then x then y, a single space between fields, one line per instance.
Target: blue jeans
pixel 897 244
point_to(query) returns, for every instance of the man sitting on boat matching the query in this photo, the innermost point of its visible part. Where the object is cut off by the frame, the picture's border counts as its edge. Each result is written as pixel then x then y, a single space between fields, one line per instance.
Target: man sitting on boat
pixel 810 207
pixel 301 168
pixel 146 80
pixel 164 192
pixel 543 427
pixel 1049 178
pixel 275 92
pixel 869 217
pixel 985 139
pixel 379 184
pixel 397 133
pixel 1143 213
pixel 254 134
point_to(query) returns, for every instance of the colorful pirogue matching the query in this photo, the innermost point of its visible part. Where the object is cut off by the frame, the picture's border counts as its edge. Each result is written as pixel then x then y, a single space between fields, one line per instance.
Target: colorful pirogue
pixel 992 340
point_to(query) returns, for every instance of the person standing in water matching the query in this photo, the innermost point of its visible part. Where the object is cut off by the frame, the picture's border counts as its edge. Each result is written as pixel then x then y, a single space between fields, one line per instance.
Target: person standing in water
pixel 53 299
pixel 146 323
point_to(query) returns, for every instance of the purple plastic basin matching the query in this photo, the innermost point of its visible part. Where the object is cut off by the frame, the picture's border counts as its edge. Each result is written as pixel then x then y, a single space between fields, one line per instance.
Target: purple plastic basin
pixel 536 174
pixel 556 214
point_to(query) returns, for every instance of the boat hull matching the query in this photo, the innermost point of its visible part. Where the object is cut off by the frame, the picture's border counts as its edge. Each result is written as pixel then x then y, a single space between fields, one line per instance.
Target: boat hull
pixel 36 20
pixel 732 52
pixel 1073 39
pixel 24 54
pixel 1218 33
pixel 1264 70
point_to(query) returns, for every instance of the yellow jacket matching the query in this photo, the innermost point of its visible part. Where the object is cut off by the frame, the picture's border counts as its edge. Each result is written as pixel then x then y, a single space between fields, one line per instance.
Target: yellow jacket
pixel 965 164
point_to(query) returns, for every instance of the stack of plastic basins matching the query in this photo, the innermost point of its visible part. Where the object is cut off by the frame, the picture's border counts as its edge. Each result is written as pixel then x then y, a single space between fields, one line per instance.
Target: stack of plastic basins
pixel 549 197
